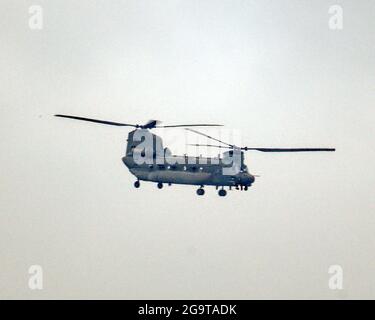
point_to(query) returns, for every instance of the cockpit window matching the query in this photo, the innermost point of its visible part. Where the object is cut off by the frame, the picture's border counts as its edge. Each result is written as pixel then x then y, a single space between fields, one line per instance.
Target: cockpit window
pixel 244 169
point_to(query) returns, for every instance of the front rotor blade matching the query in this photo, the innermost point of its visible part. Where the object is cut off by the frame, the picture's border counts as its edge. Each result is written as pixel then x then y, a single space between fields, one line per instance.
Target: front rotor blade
pixel 288 149
pixel 119 124
pixel 209 145
pixel 191 125
pixel 209 137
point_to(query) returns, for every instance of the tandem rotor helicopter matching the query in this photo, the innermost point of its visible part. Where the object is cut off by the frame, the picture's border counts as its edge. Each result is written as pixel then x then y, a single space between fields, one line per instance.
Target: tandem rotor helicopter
pixel 147 160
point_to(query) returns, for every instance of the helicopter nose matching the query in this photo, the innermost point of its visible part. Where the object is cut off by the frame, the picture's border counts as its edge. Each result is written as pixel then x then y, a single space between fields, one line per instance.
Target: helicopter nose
pixel 246 179
pixel 251 179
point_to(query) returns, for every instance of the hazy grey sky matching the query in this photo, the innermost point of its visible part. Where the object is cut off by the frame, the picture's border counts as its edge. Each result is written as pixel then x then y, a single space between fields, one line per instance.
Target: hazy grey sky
pixel 273 70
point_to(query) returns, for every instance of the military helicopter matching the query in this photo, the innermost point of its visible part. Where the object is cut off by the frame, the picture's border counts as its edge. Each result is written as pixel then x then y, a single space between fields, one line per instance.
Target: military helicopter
pixel 148 160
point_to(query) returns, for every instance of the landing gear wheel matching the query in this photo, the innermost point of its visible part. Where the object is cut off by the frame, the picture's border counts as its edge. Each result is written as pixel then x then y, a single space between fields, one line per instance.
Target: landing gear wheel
pixel 137 184
pixel 160 185
pixel 222 193
pixel 200 192
pixel 246 187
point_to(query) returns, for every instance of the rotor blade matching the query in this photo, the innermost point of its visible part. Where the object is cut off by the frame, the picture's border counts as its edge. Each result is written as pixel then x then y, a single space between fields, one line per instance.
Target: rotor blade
pixel 151 124
pixel 209 145
pixel 190 125
pixel 288 149
pixel 119 124
pixel 207 136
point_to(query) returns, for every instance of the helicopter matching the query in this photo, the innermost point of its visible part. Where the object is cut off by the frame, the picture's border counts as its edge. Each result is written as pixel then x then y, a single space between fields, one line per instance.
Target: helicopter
pixel 148 160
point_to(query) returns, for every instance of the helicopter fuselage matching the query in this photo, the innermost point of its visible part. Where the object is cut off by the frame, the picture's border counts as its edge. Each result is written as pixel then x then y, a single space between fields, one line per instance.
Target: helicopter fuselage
pixel 188 173
pixel 163 167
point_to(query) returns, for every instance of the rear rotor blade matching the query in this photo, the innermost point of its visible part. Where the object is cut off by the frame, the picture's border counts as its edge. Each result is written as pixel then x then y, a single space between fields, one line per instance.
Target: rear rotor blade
pixel 288 149
pixel 151 124
pixel 209 137
pixel 119 124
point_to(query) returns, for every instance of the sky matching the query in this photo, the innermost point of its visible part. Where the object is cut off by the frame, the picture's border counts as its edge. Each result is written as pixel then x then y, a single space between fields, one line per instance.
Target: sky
pixel 274 72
